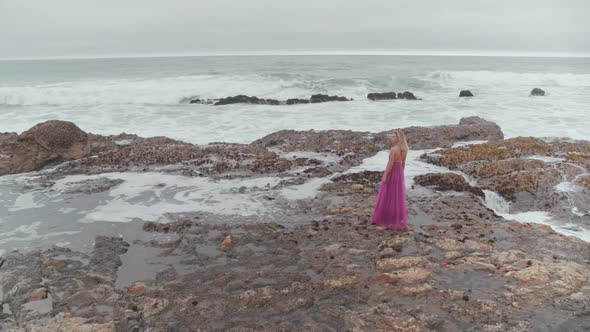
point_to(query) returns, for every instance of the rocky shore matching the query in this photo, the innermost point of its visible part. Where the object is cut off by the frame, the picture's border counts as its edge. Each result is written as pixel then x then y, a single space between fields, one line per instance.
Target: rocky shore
pixel 319 265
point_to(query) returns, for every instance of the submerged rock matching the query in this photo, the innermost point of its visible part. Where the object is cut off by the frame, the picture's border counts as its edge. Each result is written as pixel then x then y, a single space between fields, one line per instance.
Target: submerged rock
pixel 406 95
pixel 537 92
pixel 447 181
pixel 382 96
pixel 294 101
pixel 202 101
pixel 319 98
pixel 465 93
pixel 242 99
pixel 391 95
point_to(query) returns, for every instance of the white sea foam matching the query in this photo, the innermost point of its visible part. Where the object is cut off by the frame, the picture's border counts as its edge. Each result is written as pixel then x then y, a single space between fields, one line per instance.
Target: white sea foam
pixel 568 187
pixel 546 159
pixel 502 208
pixel 414 166
pixel 143 97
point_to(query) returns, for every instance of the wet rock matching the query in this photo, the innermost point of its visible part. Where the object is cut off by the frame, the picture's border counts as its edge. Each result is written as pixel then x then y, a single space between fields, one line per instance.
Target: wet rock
pixel 38 294
pixel 242 99
pixel 342 282
pixel 399 263
pixel 406 95
pixel 136 289
pixel 526 171
pixel 67 322
pixel 91 186
pixel 319 98
pixel 173 227
pixel 227 241
pixel 537 92
pixel 294 101
pixel 565 277
pixel 152 306
pixel 382 96
pixel 446 182
pixel 410 275
pixel 465 93
pixel 201 101
pixel 107 250
pixel 468 129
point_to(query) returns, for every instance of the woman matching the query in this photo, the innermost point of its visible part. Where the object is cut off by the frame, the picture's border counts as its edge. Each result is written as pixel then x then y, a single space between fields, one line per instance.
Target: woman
pixel 390 207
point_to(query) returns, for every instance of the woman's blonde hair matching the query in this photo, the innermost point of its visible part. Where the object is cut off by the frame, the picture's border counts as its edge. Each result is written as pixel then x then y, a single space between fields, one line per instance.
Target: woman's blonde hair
pixel 403 142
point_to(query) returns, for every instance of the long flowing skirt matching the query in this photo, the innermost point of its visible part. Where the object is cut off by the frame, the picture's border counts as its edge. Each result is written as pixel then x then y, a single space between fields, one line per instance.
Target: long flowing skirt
pixel 390 206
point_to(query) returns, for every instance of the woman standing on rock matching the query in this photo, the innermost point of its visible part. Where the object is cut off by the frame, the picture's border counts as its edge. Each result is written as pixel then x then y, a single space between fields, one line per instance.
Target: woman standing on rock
pixel 390 207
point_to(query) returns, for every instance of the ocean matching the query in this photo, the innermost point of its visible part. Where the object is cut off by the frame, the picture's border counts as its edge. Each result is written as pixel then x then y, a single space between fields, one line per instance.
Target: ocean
pixel 145 95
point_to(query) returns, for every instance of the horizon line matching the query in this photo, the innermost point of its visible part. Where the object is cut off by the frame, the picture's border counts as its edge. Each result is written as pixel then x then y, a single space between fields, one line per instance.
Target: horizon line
pixel 332 52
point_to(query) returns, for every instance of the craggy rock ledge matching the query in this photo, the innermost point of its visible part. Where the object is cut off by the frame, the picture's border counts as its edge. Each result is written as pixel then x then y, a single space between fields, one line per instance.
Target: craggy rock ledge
pixel 460 267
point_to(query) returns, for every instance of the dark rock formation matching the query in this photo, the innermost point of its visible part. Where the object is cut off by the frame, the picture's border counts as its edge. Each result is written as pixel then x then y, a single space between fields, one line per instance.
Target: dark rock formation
pixel 202 101
pixel 537 92
pixel 382 96
pixel 391 95
pixel 446 182
pixel 457 271
pixel 319 98
pixel 465 93
pixel 406 95
pixel 294 101
pixel 242 99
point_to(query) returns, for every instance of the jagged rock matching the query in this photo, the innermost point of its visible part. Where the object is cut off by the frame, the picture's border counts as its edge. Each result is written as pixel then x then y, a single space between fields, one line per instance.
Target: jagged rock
pixel 447 181
pixel 20 157
pixel 61 137
pixel 400 263
pixel 44 143
pixel 466 93
pixel 39 294
pixel 294 101
pixel 406 95
pixel 8 138
pixel 319 98
pixel 174 227
pixel 242 99
pixel 469 129
pixel 67 322
pixel 537 92
pixel 202 101
pixel 382 96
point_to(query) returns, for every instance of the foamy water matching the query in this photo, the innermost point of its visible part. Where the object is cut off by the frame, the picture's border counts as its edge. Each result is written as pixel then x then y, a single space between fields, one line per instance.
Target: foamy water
pixel 144 96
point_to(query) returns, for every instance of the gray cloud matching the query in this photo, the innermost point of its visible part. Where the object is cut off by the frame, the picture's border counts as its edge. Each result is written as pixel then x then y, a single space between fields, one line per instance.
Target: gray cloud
pixel 85 28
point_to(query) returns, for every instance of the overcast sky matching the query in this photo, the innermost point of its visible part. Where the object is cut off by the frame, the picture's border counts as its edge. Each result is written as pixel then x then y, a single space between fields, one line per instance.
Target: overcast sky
pixel 74 28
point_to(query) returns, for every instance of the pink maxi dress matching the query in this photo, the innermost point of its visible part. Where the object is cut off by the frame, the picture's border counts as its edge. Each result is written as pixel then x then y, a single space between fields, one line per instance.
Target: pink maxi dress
pixel 390 206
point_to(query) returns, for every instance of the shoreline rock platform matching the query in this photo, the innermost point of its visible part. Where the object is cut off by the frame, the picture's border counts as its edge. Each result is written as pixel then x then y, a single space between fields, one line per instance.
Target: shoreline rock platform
pixel 460 266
